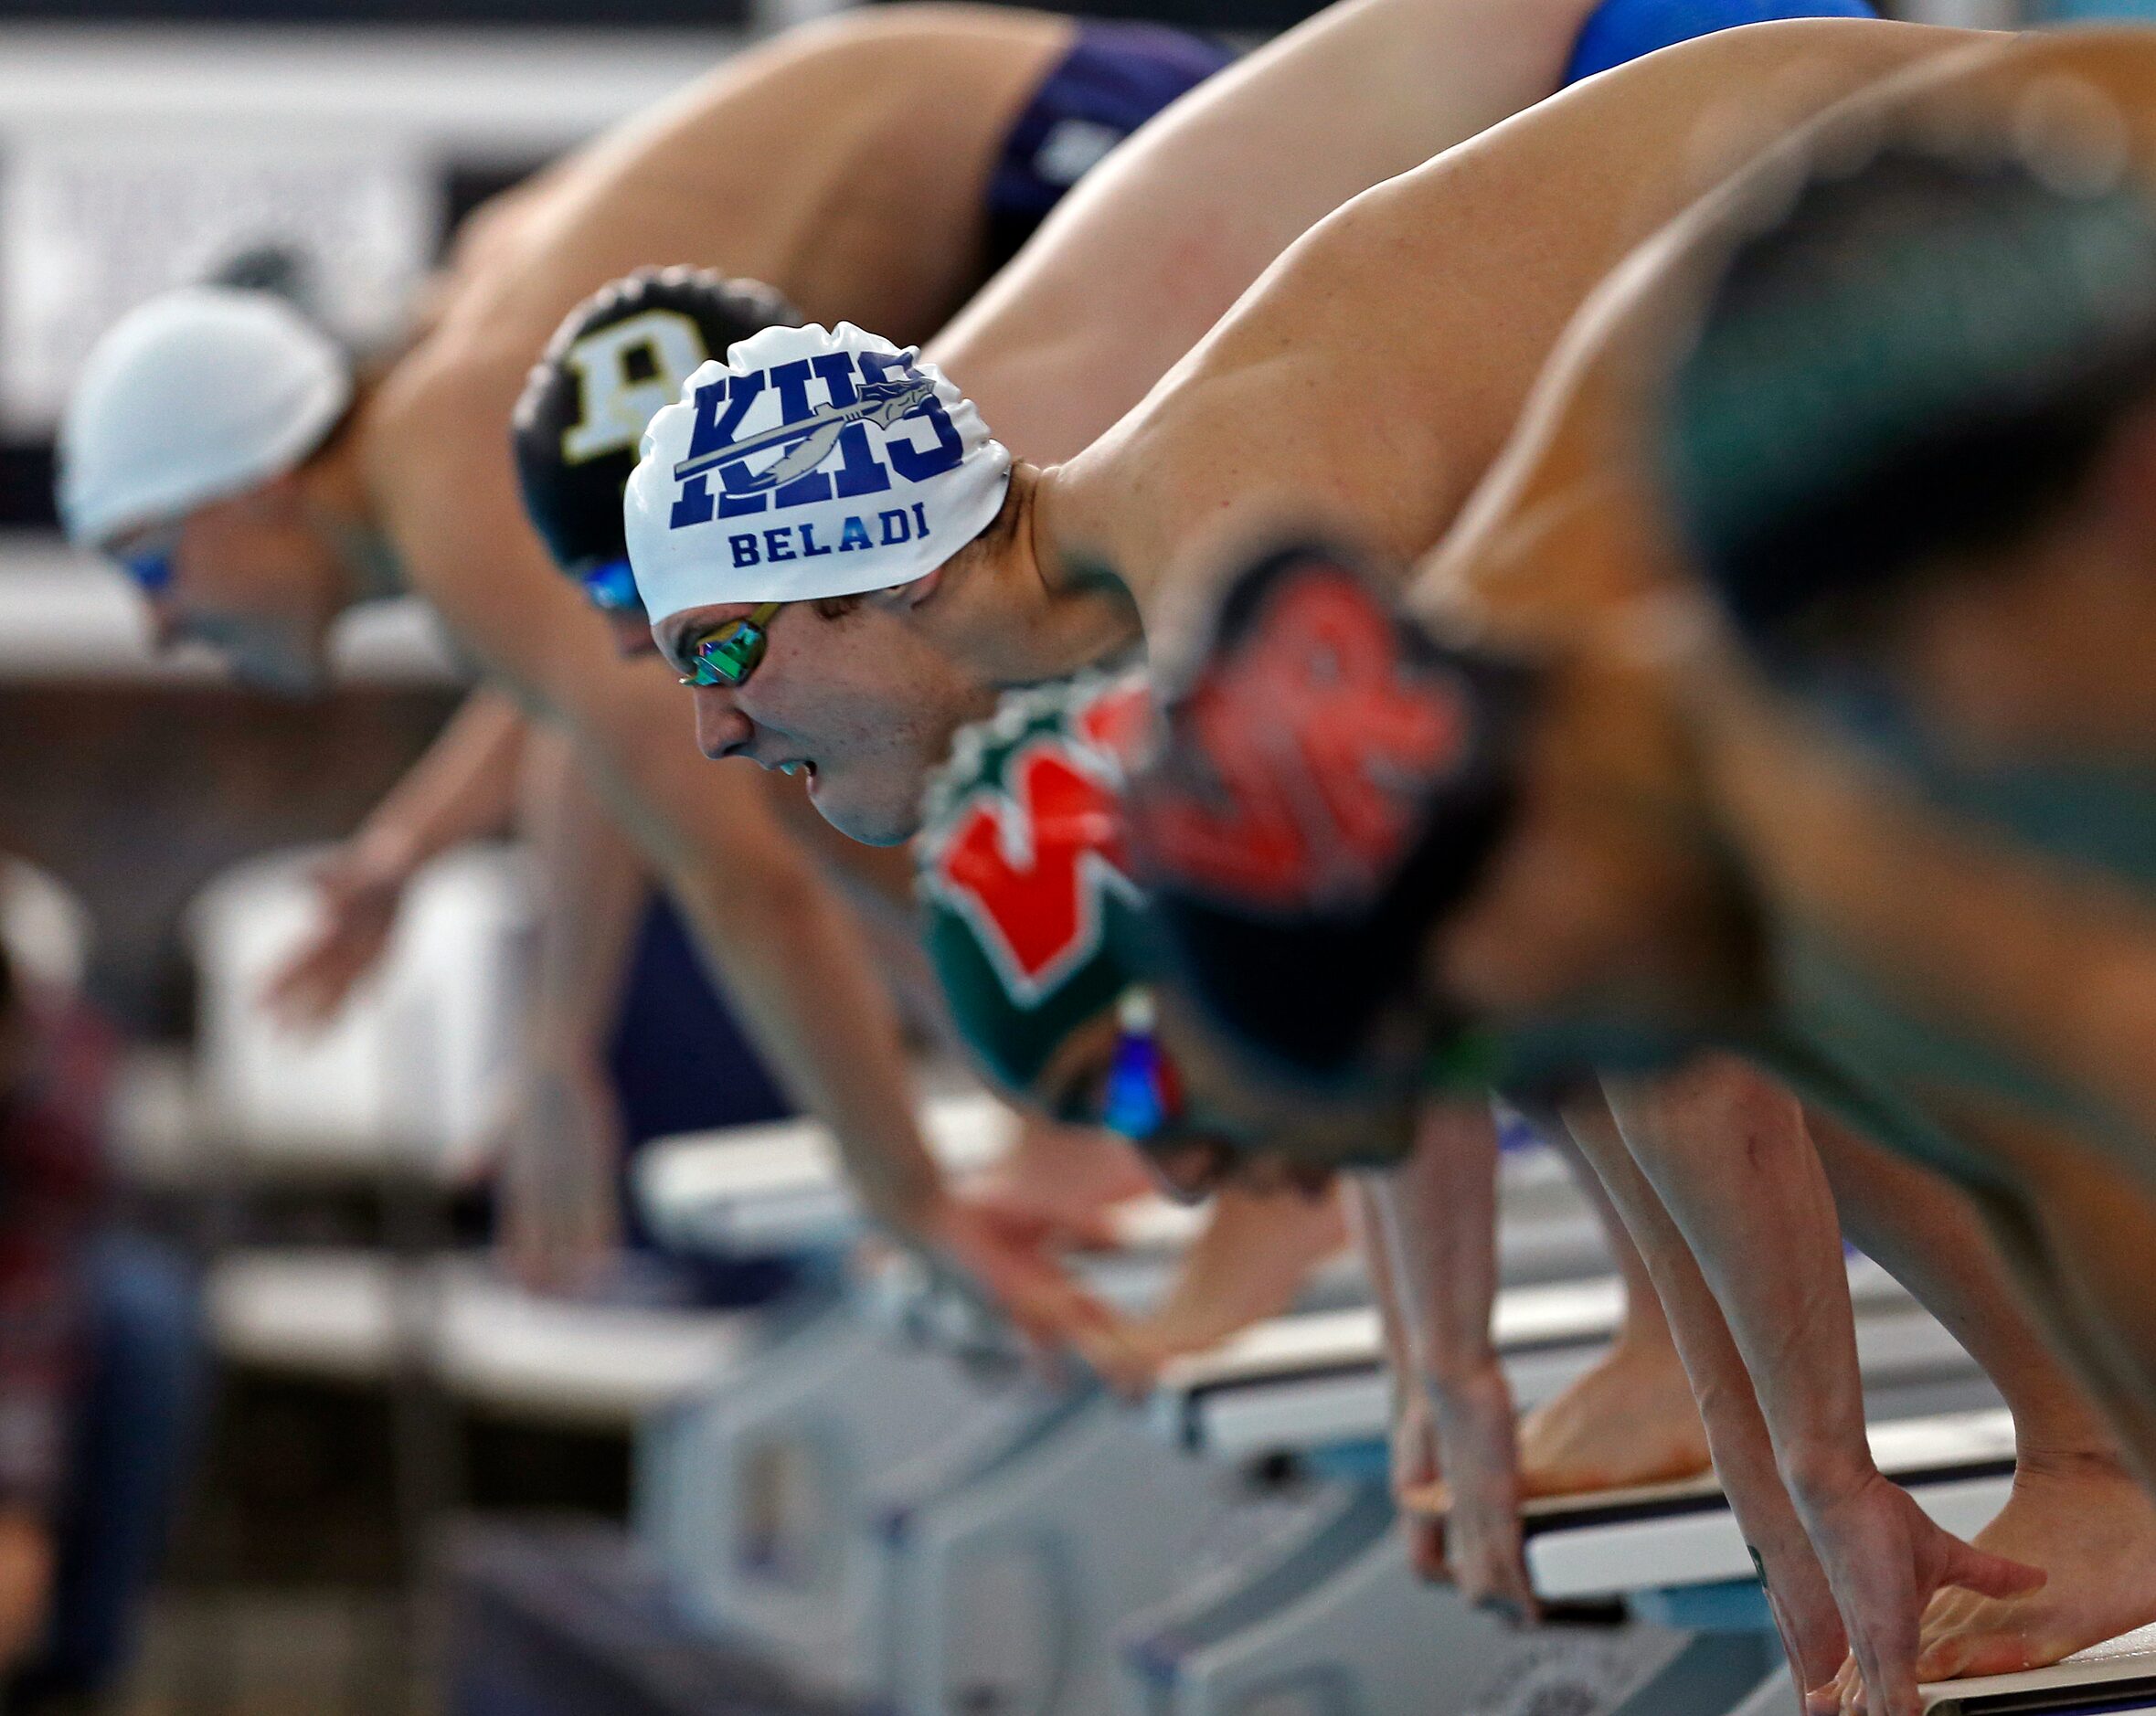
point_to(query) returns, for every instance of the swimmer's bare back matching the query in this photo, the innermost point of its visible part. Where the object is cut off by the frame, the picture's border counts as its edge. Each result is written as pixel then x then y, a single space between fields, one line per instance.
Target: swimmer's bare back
pixel 1370 376
pixel 785 165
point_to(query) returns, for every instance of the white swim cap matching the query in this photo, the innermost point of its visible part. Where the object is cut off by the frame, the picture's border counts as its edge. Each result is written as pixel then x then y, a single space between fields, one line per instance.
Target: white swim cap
pixel 195 395
pixel 811 463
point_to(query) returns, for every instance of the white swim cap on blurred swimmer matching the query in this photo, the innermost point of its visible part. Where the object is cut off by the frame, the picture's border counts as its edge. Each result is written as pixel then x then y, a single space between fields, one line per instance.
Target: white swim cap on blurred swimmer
pixel 195 395
pixel 814 462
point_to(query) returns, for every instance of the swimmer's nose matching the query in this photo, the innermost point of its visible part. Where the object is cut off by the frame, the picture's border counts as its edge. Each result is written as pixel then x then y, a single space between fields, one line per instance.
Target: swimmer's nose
pixel 722 730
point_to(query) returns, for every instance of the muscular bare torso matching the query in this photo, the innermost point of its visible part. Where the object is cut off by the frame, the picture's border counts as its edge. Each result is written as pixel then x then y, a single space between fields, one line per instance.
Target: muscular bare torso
pixel 1924 954
pixel 1369 379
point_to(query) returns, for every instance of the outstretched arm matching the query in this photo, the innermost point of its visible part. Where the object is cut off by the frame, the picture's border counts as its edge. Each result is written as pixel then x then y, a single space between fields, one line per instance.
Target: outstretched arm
pixel 1796 1590
pixel 1438 1214
pixel 1153 247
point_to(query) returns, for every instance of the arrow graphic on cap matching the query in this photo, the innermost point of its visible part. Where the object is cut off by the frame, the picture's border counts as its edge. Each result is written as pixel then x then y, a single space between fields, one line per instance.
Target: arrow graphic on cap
pixel 882 403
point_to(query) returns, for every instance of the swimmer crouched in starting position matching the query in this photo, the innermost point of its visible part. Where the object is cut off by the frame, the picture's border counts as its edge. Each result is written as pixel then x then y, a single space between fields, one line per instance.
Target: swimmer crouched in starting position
pixel 1632 794
pixel 258 481
pixel 1045 947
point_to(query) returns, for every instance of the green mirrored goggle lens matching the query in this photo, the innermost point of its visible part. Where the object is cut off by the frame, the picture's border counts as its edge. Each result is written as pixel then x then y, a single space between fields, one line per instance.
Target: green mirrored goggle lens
pixel 729 654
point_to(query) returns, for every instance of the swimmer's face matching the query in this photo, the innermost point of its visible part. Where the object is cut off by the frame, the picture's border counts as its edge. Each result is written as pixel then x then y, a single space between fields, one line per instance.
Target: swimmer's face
pixel 1223 1127
pixel 251 578
pixel 847 694
pixel 609 586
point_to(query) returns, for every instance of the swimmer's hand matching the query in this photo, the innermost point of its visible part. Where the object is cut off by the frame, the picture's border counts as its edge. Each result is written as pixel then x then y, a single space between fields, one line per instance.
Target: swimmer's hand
pixel 1009 1257
pixel 1484 1551
pixel 358 889
pixel 1884 1558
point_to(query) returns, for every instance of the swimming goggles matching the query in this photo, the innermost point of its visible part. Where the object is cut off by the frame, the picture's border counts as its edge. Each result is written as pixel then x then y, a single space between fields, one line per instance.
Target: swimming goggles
pixel 148 564
pixel 1144 1093
pixel 612 588
pixel 729 655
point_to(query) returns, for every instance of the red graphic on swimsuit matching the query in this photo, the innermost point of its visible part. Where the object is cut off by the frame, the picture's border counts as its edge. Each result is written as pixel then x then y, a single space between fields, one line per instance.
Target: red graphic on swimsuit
pixel 1032 866
pixel 1321 737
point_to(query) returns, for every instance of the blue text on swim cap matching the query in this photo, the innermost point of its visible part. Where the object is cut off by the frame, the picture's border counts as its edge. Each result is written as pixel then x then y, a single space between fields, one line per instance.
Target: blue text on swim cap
pixel 859 388
pixel 798 541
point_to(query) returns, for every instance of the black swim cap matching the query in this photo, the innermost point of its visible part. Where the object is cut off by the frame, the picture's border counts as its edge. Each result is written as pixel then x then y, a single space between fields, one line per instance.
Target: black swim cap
pixel 1332 782
pixel 619 357
pixel 1921 358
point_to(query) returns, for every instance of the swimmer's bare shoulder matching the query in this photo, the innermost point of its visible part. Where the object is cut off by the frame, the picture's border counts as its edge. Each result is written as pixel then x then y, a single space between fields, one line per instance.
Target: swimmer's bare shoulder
pixel 783 164
pixel 1564 532
pixel 1426 306
pixel 2092 88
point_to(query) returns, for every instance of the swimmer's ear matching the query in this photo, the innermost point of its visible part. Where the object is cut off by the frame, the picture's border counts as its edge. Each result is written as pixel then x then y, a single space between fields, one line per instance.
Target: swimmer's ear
pixel 909 596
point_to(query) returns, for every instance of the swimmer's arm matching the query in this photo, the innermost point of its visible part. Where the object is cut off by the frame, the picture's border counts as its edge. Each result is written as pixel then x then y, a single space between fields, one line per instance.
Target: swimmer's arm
pixel 592 885
pixel 1729 1154
pixel 461 790
pixel 464 787
pixel 1439 1213
pixel 561 1217
pixel 1159 241
pixel 789 949
pixel 1744 1453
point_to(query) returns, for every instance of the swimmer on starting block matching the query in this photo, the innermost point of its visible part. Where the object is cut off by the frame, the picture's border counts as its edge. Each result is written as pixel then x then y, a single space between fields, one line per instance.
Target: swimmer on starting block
pixel 1616 833
pixel 1090 1032
pixel 1039 940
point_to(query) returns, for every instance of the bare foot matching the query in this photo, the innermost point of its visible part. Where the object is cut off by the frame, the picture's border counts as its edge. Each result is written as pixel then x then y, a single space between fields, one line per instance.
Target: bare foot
pixel 2088 1525
pixel 1628 1421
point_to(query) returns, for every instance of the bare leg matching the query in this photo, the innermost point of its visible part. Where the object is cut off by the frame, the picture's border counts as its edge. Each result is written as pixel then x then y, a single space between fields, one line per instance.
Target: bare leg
pixel 2075 1510
pixel 1796 1587
pixel 1631 1420
pixel 1728 1151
